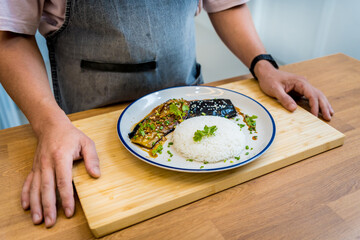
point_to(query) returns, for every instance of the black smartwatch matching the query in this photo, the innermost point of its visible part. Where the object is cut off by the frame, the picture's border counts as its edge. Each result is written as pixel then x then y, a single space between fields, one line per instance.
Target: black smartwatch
pixel 266 57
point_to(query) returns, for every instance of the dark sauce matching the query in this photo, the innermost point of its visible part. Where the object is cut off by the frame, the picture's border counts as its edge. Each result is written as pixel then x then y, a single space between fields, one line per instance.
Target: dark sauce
pixel 149 151
pixel 249 127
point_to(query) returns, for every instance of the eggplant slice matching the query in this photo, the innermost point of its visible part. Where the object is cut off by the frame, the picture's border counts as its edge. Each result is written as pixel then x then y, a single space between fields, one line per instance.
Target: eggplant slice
pixel 163 119
pixel 160 122
pixel 212 107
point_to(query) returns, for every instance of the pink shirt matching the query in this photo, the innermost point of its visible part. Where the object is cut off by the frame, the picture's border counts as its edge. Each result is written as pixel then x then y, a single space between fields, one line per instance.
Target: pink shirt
pixel 48 15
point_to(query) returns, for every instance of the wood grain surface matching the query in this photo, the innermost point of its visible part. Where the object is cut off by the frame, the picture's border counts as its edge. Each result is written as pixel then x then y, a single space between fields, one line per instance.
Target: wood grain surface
pixel 130 191
pixel 313 199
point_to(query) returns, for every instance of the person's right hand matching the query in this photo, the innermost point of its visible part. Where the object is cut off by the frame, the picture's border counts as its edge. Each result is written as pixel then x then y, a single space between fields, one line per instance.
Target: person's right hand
pixel 58 145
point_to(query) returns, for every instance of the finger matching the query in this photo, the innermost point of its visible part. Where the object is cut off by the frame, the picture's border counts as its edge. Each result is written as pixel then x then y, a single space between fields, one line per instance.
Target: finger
pixel 48 195
pixel 91 158
pixel 25 194
pixel 64 185
pixel 310 93
pixel 285 100
pixel 331 109
pixel 324 107
pixel 314 105
pixel 35 199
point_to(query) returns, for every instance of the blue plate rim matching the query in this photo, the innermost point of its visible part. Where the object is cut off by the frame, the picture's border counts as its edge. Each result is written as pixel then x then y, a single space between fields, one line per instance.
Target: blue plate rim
pixel 196 170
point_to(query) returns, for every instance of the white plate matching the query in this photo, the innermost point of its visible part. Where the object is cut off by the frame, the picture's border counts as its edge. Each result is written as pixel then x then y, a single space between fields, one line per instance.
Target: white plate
pixel 136 111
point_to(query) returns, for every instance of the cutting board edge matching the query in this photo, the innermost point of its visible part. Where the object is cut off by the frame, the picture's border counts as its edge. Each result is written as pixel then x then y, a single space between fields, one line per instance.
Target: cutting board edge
pixel 100 230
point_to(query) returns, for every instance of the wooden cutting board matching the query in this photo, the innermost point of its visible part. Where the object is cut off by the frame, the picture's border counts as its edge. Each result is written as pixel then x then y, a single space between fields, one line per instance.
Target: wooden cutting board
pixel 130 191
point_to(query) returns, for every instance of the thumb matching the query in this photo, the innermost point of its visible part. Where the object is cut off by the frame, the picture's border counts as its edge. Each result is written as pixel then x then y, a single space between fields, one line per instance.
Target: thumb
pixel 285 100
pixel 91 158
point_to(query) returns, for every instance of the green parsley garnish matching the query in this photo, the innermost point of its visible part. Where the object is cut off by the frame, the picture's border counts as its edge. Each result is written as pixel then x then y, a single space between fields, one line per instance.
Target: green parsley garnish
pixel 170 143
pixel 170 153
pixel 208 131
pixel 247 147
pixel 251 122
pixel 237 158
pixel 190 160
pixel 203 114
pixel 206 162
pixel 142 133
pixel 176 111
pixel 169 160
pixel 185 107
pixel 161 127
pixel 247 153
pixel 201 167
pixel 158 149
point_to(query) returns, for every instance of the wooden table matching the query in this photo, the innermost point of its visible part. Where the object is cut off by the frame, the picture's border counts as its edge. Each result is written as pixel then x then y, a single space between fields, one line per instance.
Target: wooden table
pixel 318 198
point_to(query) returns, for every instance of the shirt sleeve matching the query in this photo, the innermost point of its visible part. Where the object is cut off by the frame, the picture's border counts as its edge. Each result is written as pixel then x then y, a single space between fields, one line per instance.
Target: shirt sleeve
pixel 20 16
pixel 212 6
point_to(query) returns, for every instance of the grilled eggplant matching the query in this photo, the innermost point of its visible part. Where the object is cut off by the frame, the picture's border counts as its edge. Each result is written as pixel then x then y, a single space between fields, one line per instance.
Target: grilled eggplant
pixel 163 119
pixel 160 122
pixel 212 107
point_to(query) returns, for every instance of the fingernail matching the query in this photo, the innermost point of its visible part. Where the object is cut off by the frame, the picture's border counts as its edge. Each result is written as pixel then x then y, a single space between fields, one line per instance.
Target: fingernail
pixel 292 106
pixel 97 171
pixel 23 204
pixel 36 218
pixel 48 222
pixel 68 212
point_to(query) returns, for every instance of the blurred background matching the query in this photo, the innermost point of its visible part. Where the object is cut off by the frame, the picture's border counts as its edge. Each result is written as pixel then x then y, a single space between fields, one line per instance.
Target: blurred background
pixel 291 31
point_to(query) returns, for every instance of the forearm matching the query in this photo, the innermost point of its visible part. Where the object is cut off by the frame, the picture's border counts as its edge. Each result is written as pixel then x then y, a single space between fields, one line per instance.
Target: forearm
pixel 23 75
pixel 236 29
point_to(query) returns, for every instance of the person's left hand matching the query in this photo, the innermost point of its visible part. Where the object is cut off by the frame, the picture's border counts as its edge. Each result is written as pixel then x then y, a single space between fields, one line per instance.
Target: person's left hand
pixel 278 84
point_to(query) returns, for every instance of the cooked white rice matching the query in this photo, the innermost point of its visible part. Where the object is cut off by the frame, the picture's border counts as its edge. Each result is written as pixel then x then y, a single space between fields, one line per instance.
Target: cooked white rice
pixel 228 141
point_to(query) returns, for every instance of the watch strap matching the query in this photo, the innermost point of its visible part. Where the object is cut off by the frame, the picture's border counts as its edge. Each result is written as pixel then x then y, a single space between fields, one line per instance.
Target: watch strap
pixel 266 57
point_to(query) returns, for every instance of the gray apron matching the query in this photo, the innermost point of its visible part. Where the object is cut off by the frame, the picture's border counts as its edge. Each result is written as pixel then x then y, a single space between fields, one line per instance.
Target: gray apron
pixel 112 51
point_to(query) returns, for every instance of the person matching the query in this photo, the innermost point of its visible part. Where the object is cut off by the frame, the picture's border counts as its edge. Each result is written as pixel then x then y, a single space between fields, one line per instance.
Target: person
pixel 104 52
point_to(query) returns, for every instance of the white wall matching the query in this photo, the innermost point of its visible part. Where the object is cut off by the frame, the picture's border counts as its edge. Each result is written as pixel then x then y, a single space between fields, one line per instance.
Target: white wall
pixel 291 30
pixel 215 58
pixel 294 30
